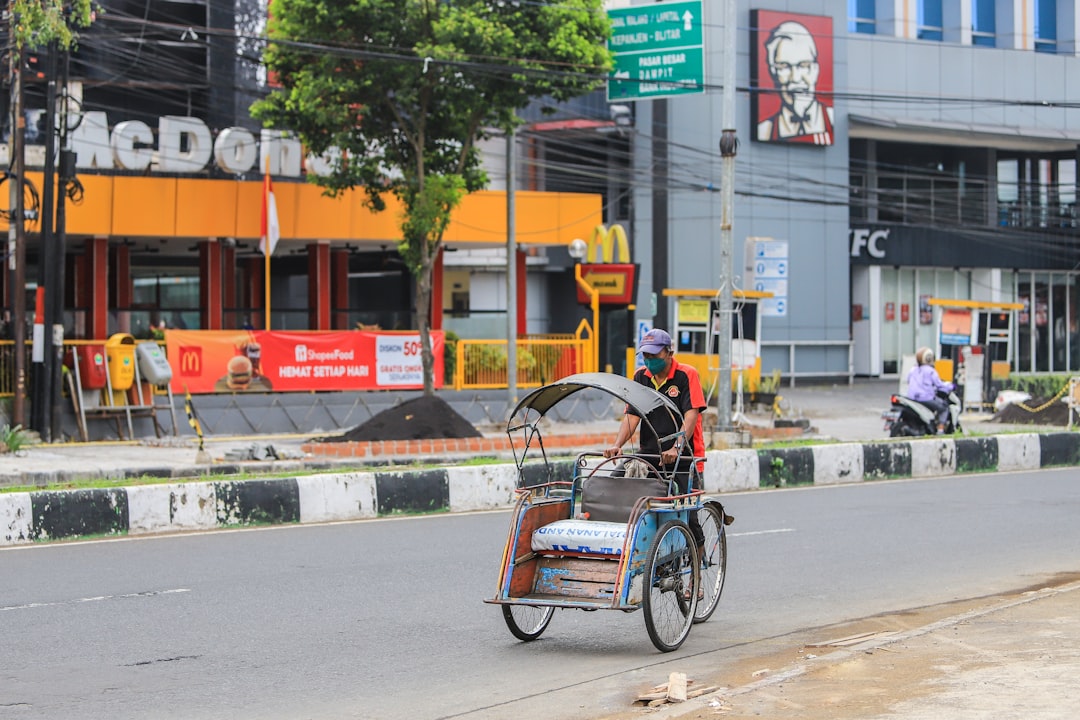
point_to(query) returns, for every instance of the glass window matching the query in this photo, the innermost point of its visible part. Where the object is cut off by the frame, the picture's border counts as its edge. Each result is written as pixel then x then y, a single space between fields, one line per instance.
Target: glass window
pixel 983 23
pixel 930 20
pixel 1067 181
pixel 861 16
pixel 1008 192
pixel 890 291
pixel 1046 26
pixel 164 295
pixel 1008 180
pixel 926 288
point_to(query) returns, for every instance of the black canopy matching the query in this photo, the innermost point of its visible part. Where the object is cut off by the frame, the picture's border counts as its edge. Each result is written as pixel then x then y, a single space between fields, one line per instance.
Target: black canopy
pixel 639 397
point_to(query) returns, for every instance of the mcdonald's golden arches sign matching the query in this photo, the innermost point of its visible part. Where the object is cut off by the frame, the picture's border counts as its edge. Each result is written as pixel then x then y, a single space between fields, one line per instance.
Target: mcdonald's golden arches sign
pixel 608 268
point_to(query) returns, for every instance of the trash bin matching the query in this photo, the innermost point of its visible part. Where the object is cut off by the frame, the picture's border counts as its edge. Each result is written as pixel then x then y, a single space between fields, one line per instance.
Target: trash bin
pixel 120 356
pixel 91 363
pixel 153 365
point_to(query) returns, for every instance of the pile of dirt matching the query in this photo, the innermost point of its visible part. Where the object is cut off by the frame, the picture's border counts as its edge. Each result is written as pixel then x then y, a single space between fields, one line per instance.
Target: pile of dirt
pixel 1056 413
pixel 423 418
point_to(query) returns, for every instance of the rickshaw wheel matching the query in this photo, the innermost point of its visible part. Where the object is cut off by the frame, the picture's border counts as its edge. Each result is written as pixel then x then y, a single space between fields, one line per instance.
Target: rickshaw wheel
pixel 671 585
pixel 714 561
pixel 527 622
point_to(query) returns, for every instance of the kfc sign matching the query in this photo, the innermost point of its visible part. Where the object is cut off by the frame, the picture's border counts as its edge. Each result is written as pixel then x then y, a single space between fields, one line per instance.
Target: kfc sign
pixel 186 145
pixel 868 241
pixel 791 77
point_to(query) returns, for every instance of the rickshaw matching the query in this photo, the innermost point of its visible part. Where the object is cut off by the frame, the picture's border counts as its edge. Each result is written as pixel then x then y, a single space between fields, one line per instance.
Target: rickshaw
pixel 612 533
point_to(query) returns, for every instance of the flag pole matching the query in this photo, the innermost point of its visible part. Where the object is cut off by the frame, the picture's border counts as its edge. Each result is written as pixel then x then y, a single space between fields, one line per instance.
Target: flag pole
pixel 266 283
pixel 266 241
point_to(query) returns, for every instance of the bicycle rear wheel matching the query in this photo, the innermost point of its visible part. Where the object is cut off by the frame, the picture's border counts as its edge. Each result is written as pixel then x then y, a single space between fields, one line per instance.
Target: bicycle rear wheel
pixel 713 560
pixel 671 585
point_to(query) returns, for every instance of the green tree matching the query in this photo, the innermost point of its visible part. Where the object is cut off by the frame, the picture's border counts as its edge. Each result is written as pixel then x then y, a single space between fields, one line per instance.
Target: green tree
pixel 401 91
pixel 40 22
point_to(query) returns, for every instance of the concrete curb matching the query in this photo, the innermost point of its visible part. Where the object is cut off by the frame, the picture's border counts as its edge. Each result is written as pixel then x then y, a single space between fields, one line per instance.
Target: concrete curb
pixel 27 517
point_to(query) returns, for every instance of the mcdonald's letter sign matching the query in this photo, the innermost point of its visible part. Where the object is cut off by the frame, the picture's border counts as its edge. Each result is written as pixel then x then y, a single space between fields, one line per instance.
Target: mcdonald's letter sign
pixel 608 268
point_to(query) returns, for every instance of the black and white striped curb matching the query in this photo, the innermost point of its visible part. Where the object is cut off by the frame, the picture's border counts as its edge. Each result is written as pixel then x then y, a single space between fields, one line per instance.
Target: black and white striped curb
pixel 55 514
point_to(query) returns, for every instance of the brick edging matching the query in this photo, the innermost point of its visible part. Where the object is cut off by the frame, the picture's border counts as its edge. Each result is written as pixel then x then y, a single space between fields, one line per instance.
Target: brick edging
pixel 447 446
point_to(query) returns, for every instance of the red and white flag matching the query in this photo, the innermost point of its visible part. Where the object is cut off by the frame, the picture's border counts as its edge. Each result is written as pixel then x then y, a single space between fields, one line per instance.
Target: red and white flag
pixel 271 230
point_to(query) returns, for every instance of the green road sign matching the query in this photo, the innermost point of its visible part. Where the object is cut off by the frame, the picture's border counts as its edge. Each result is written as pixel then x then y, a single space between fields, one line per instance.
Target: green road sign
pixel 658 51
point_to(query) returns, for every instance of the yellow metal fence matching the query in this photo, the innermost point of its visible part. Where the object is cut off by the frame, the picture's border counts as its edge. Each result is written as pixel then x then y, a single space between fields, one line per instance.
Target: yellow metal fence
pixel 481 364
pixel 7 367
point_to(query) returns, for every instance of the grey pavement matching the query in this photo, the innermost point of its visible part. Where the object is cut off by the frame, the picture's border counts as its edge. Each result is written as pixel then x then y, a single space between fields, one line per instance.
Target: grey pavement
pixel 1017 657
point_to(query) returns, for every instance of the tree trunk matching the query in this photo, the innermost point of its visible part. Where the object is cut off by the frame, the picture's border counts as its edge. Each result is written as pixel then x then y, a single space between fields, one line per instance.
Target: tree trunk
pixel 423 318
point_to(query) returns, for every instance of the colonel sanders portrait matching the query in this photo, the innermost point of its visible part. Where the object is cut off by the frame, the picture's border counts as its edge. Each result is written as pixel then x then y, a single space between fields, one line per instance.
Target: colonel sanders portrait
pixel 791 57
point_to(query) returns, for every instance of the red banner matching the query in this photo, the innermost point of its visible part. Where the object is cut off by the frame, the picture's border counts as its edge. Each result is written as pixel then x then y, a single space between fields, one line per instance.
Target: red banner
pixel 207 361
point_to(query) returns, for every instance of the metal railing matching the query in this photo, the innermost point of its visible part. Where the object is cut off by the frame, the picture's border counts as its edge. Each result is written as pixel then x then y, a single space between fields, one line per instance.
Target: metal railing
pixel 7 367
pixel 481 364
pixel 793 345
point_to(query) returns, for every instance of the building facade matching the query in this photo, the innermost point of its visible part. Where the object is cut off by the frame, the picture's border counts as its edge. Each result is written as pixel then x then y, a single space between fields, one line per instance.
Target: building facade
pixel 903 149
pixel 164 223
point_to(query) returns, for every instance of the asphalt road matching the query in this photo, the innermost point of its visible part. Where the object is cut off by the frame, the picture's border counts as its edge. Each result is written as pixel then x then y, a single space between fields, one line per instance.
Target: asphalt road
pixel 384 619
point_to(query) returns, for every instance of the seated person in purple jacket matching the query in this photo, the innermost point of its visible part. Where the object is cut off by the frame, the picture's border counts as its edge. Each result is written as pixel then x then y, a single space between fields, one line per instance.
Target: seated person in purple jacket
pixel 923 382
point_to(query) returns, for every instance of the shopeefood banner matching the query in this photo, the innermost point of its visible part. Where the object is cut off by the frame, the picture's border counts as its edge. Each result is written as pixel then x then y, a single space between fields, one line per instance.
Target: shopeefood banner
pixel 209 361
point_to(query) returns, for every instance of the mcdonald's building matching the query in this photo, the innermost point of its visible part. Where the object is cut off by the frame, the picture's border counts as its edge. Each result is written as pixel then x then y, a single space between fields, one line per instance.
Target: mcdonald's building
pixel 162 227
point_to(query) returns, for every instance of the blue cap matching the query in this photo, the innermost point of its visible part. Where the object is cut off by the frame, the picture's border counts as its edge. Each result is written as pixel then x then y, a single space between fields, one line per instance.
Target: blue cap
pixel 654 341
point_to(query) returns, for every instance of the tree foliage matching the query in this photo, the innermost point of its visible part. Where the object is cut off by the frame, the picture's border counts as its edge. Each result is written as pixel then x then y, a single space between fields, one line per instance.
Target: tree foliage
pixel 401 91
pixel 40 22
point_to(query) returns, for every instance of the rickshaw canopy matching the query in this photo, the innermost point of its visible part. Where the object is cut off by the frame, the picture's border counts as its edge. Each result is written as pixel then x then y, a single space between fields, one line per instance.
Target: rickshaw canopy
pixel 640 398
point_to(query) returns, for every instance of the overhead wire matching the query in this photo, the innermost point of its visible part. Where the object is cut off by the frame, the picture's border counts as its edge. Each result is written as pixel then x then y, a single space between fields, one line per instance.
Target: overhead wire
pixel 762 181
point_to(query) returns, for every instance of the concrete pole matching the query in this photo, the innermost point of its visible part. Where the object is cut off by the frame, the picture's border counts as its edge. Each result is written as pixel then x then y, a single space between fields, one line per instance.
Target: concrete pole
pixel 50 266
pixel 16 238
pixel 728 147
pixel 511 274
pixel 65 173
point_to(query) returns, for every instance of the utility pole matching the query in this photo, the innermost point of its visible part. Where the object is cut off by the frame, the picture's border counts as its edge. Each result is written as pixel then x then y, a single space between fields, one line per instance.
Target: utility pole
pixel 16 241
pixel 511 273
pixel 66 173
pixel 728 147
pixel 42 391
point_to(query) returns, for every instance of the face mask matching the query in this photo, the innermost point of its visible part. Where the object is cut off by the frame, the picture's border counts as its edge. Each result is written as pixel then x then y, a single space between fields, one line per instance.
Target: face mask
pixel 655 365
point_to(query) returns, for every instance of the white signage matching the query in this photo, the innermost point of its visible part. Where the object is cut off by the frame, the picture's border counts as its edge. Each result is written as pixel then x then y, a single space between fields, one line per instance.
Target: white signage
pixel 767 261
pixel 186 145
pixel 774 307
pixel 771 268
pixel 777 287
pixel 397 360
pixel 771 249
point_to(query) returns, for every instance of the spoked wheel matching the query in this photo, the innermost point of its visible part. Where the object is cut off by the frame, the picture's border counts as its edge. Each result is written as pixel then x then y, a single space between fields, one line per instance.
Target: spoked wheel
pixel 713 561
pixel 671 585
pixel 527 622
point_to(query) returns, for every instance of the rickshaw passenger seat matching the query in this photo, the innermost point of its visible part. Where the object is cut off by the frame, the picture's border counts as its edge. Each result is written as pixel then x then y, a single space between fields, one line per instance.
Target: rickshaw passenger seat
pixel 610 498
pixel 580 536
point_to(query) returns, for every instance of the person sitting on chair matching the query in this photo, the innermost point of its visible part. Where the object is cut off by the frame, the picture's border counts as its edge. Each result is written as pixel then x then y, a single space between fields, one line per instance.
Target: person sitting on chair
pixel 923 384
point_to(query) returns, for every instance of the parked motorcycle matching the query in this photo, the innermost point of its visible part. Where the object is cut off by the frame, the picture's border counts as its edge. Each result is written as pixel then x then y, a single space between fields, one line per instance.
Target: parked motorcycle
pixel 910 418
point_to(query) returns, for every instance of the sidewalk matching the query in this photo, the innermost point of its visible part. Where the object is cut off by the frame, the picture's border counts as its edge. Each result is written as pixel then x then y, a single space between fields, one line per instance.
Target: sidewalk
pixel 1013 657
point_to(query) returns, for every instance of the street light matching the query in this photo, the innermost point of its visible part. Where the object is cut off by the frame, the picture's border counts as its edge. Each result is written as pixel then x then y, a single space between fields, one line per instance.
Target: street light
pixel 577 249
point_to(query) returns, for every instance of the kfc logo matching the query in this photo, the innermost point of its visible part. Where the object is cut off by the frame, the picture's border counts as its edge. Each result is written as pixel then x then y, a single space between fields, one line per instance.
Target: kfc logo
pixel 792 77
pixel 865 239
